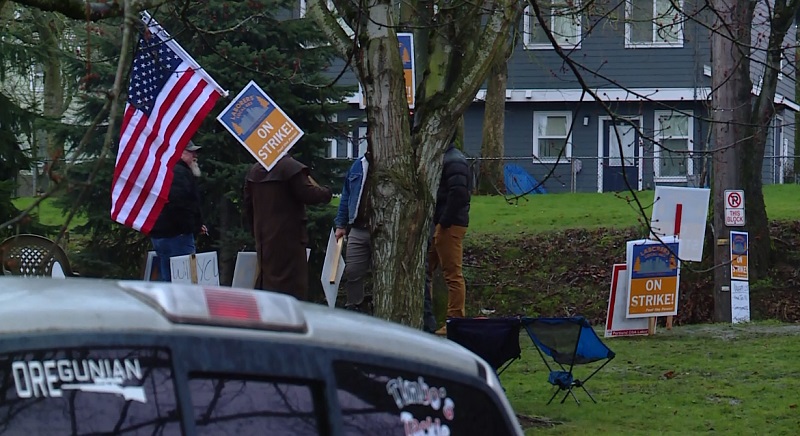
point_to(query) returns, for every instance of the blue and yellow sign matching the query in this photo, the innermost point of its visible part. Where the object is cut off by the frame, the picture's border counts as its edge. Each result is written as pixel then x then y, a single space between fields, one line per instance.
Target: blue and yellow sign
pixel 739 251
pixel 654 273
pixel 406 41
pixel 260 125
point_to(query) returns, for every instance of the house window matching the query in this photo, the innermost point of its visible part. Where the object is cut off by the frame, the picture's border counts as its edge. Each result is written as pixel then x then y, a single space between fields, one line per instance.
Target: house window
pixel 653 23
pixel 552 137
pixel 564 19
pixel 674 133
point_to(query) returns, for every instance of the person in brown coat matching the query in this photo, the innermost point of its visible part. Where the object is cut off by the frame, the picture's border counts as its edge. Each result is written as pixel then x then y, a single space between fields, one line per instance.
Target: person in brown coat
pixel 275 210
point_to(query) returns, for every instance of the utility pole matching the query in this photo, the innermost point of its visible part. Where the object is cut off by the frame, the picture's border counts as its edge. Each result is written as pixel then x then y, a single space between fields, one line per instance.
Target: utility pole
pixel 730 114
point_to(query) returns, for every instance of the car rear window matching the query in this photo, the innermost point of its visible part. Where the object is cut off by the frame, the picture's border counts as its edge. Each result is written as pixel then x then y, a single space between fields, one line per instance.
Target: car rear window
pixel 88 391
pixel 389 401
pixel 231 404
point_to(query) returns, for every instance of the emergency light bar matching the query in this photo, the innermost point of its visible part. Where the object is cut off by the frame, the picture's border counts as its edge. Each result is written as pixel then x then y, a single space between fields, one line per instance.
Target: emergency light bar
pixel 228 307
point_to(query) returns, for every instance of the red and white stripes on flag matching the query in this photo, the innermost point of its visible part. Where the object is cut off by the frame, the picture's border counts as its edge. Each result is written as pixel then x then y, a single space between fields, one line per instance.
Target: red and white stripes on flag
pixel 168 97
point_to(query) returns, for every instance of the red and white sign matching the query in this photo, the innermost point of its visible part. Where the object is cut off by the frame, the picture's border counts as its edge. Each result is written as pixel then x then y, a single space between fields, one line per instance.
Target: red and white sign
pixel 617 324
pixel 734 208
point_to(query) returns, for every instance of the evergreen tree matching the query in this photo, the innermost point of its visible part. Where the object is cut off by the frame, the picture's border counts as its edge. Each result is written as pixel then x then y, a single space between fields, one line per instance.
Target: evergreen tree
pixel 235 42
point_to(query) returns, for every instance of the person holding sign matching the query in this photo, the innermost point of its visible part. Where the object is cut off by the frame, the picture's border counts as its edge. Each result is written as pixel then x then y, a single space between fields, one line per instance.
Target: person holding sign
pixel 351 219
pixel 275 211
pixel 174 230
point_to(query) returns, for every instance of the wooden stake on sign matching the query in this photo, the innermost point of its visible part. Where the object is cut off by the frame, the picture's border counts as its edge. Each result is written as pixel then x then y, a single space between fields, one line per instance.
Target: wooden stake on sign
pixel 678 214
pixel 193 268
pixel 337 255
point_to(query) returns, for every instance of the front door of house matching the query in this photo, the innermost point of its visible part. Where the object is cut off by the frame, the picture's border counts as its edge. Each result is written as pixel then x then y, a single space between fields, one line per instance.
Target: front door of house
pixel 620 155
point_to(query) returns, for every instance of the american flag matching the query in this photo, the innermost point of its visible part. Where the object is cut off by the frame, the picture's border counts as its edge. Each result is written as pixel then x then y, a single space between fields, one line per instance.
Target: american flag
pixel 169 95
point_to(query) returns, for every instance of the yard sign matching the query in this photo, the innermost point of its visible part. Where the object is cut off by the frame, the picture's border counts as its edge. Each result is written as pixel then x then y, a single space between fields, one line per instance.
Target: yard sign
pixel 654 272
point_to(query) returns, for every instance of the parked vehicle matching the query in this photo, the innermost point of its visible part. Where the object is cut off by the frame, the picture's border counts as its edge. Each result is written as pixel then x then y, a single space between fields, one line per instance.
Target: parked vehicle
pixel 86 356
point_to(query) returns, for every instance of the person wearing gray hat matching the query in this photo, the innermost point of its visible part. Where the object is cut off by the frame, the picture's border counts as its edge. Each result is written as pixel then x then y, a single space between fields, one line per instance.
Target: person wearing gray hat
pixel 181 219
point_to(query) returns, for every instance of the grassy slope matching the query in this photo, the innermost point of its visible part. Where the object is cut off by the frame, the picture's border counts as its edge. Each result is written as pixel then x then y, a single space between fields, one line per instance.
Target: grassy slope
pixel 541 213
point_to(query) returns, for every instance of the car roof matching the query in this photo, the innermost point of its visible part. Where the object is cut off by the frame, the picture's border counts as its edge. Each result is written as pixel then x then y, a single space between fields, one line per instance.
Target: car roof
pixel 77 305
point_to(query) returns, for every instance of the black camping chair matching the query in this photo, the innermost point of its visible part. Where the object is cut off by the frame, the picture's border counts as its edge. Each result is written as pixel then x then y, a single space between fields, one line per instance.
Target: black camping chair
pixel 568 342
pixel 496 340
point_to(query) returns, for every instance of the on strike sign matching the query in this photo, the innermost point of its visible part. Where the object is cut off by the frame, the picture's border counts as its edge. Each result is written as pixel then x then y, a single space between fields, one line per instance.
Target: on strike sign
pixel 734 208
pixel 653 279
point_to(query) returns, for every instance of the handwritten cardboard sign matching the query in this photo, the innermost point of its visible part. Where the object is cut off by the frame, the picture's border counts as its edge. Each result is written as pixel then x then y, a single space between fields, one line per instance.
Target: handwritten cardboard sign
pixel 200 268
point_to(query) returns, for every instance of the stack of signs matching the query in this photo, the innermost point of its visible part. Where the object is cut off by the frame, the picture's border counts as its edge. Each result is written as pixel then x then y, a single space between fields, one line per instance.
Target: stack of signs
pixel 740 285
pixel 617 323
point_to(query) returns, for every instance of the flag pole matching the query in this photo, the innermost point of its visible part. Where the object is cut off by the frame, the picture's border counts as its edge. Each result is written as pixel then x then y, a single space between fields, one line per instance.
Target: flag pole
pixel 156 29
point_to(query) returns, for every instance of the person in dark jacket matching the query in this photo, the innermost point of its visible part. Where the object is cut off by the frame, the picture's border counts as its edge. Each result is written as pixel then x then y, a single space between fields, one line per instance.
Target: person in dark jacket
pixel 451 219
pixel 175 228
pixel 275 211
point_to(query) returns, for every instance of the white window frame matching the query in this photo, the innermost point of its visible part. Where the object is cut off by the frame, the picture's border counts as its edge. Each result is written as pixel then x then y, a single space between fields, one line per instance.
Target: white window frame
pixel 567 157
pixel 333 144
pixel 781 64
pixel 528 20
pixel 658 136
pixel 653 43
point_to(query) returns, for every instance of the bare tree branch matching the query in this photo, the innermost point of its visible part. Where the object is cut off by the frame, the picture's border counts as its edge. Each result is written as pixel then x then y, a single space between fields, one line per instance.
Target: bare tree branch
pixel 89 10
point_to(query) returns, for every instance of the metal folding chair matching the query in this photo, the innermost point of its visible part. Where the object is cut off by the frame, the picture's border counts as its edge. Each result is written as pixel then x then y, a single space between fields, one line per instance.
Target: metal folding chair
pixel 567 342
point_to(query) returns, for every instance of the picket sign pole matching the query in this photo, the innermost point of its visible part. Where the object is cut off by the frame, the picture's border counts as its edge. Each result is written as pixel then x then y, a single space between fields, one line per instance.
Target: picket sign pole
pixel 336 257
pixel 193 268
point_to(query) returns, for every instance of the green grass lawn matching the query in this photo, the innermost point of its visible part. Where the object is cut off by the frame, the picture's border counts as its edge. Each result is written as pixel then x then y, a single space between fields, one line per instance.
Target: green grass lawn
pixel 48 213
pixel 541 213
pixel 719 379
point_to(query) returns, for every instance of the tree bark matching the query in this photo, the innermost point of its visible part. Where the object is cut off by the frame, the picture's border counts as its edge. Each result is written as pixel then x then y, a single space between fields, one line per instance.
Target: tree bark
pixel 50 36
pixel 730 113
pixel 760 122
pixel 491 180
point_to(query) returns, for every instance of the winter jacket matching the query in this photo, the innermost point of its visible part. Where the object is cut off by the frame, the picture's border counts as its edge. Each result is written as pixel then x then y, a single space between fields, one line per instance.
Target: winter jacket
pixel 275 210
pixel 181 215
pixel 453 195
pixel 351 193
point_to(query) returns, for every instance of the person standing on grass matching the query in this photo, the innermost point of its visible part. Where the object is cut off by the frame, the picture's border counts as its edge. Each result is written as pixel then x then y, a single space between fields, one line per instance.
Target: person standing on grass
pixel 351 220
pixel 451 219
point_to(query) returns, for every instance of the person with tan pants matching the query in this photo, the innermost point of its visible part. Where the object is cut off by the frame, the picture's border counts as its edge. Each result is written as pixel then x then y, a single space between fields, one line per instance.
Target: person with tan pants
pixel 451 219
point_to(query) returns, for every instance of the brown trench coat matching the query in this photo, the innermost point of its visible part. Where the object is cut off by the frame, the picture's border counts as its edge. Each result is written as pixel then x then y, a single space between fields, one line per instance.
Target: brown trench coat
pixel 274 208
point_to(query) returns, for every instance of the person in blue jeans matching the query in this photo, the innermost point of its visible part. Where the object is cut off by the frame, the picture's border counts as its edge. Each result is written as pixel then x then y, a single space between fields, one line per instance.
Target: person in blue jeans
pixel 352 220
pixel 174 230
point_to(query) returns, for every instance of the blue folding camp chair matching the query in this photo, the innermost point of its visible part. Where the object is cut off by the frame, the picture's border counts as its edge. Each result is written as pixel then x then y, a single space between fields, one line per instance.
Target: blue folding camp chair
pixel 496 340
pixel 568 342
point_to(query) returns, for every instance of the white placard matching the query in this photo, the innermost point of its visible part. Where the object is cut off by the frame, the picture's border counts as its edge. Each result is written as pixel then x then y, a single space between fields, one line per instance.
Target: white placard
pixel 740 301
pixel 616 322
pixel 686 208
pixel 206 264
pixel 244 272
pixel 151 269
pixel 57 272
pixel 332 289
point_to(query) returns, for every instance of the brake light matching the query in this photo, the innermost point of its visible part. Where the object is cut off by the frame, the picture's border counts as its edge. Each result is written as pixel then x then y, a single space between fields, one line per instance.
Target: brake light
pixel 230 307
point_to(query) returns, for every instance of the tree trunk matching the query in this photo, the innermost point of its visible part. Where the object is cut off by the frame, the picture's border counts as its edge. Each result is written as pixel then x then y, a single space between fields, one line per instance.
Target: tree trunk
pixel 53 104
pixel 491 180
pixel 730 113
pixel 401 201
